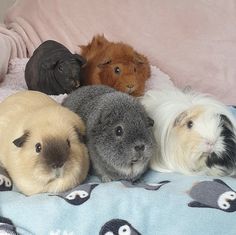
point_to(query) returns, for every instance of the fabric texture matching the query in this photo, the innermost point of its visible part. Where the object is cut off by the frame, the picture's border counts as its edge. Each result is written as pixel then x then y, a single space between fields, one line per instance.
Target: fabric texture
pixel 111 207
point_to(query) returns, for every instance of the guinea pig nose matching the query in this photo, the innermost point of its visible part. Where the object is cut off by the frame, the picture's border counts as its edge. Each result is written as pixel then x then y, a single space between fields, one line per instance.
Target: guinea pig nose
pixel 76 83
pixel 210 143
pixel 140 147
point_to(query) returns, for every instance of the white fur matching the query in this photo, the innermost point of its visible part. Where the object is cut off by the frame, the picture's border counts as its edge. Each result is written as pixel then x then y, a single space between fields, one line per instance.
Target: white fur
pixel 164 106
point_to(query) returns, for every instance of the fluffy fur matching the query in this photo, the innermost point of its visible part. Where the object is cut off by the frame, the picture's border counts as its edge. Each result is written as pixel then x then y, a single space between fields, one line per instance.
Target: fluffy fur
pixel 119 132
pixel 114 64
pixel 195 133
pixel 53 69
pixel 42 147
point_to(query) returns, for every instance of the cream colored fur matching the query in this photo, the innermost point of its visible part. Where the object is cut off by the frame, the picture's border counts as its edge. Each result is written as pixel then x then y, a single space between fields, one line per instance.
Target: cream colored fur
pixel 43 117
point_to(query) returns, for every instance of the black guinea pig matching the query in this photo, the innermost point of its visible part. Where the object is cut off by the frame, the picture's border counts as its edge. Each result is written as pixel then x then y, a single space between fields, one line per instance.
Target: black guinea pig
pixel 53 69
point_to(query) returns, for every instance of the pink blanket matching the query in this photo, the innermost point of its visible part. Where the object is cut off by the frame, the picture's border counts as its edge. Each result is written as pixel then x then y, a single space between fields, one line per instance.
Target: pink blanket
pixel 192 41
pixel 15 80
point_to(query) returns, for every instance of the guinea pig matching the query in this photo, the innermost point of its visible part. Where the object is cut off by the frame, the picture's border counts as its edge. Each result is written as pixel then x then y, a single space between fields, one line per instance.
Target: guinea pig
pixel 116 65
pixel 195 133
pixel 42 147
pixel 119 133
pixel 53 69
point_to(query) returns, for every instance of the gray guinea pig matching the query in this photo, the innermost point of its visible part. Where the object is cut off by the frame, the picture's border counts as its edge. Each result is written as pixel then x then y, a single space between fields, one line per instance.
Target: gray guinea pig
pixel 53 69
pixel 119 132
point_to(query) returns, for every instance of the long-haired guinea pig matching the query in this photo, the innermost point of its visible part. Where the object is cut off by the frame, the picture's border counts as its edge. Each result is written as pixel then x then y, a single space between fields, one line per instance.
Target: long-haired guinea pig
pixel 41 144
pixel 119 132
pixel 195 133
pixel 53 69
pixel 116 65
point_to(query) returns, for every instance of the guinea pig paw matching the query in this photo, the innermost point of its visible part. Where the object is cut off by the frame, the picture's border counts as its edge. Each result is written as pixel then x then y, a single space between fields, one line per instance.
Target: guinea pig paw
pixel 106 179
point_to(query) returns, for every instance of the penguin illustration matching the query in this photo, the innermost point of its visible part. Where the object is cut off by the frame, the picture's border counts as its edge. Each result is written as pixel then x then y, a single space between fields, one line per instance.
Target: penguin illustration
pixel 78 195
pixel 213 194
pixel 152 186
pixel 118 227
pixel 7 227
pixel 5 183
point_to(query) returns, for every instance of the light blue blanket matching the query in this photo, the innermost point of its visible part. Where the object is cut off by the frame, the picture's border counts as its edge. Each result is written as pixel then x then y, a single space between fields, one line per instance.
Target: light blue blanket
pixel 160 204
pixel 166 204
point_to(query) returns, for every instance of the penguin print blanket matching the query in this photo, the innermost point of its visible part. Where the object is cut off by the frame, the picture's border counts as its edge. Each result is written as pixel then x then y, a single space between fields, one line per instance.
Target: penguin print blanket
pixel 159 204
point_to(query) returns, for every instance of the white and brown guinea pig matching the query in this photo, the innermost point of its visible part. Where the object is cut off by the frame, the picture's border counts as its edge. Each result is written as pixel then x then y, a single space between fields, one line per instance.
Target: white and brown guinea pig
pixel 195 133
pixel 41 143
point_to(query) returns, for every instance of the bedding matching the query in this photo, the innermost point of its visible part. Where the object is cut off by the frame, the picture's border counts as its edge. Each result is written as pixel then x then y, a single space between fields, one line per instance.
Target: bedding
pixel 160 203
pixel 163 203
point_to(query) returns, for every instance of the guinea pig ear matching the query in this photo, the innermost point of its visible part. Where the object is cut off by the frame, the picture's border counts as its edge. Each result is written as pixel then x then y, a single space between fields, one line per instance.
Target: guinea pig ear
pixel 81 137
pixel 139 59
pixel 226 121
pixel 105 62
pixel 19 142
pixel 80 59
pixel 150 122
pixel 98 41
pixel 49 64
pixel 180 118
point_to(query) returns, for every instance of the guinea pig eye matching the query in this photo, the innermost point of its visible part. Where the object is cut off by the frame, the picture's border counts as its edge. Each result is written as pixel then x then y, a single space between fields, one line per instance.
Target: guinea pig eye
pixel 190 124
pixel 60 68
pixel 117 70
pixel 135 69
pixel 68 142
pixel 38 148
pixel 119 131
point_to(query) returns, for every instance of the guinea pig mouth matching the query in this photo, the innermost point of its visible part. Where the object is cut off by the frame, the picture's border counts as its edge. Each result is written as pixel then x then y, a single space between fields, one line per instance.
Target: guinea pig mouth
pixel 76 83
pixel 136 160
pixel 57 173
pixel 130 90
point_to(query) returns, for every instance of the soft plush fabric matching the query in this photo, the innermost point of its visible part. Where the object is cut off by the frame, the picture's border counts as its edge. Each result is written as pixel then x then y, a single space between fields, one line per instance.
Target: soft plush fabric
pixel 192 41
pixel 161 204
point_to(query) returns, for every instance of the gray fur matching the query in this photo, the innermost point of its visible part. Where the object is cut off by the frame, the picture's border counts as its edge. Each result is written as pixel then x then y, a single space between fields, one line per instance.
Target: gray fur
pixel 104 109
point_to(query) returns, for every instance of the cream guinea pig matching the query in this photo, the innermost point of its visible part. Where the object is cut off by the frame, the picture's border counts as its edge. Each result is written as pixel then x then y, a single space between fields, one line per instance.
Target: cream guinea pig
pixel 42 146
pixel 195 133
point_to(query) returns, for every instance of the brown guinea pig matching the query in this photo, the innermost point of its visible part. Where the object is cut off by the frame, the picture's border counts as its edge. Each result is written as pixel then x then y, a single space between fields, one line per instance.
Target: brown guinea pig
pixel 42 146
pixel 114 64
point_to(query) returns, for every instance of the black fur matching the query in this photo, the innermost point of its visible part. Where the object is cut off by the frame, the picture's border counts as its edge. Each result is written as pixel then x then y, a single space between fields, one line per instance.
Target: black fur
pixel 53 69
pixel 227 158
pixel 19 142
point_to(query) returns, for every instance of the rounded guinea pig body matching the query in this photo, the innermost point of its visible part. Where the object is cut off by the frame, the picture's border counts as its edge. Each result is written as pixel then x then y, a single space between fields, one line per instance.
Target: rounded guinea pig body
pixel 195 133
pixel 116 65
pixel 119 132
pixel 42 148
pixel 53 69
